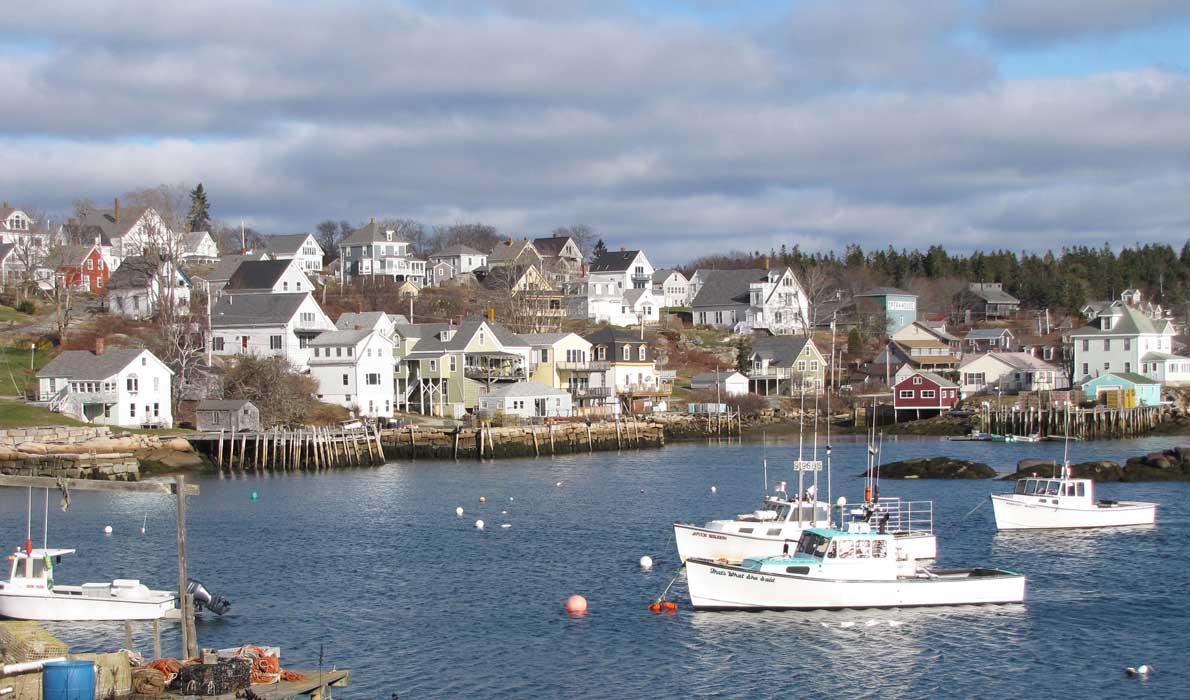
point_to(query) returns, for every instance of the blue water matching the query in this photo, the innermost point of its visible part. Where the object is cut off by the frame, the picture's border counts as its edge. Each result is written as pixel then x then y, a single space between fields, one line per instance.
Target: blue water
pixel 373 567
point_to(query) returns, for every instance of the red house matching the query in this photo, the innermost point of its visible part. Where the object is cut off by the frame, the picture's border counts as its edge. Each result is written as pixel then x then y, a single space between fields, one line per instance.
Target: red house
pixel 925 391
pixel 81 267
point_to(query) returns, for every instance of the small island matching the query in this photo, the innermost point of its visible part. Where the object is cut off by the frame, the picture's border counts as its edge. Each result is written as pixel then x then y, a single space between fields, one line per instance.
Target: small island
pixel 936 468
pixel 1168 465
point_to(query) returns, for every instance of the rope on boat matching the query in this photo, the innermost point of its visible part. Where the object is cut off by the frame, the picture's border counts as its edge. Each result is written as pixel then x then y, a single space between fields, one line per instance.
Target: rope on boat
pixel 969 513
pixel 667 605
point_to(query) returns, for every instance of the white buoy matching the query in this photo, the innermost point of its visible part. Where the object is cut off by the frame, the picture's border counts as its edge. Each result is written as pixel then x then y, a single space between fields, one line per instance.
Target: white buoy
pixel 478 524
pixel 714 490
pixel 503 512
pixel 558 484
pixel 107 530
pixel 1142 670
pixel 646 562
pixel 505 525
pixel 511 498
pixel 459 511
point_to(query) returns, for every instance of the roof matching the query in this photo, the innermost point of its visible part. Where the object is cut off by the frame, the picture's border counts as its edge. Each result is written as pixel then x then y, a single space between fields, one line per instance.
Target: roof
pixel 612 336
pixel 5 249
pixel 935 378
pixel 1160 357
pixel 885 292
pixel 364 319
pixel 986 333
pixel 370 232
pixel 86 365
pixel 1126 376
pixel 191 240
pixel 632 296
pixel 551 246
pixel 257 274
pixel 1132 322
pixel 105 220
pixel 993 295
pixel 235 310
pixel 223 405
pixel 456 250
pixel 540 339
pixel 710 377
pixel 226 266
pixel 432 343
pixel 69 254
pixel 351 337
pixel 525 389
pixel 507 251
pixel 726 287
pixel 136 272
pixel 1016 360
pixel 614 261
pixel 660 276
pixel 285 244
pixel 780 350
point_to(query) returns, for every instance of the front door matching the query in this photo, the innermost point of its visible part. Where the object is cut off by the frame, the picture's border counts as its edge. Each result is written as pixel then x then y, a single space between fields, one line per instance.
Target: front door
pixel 539 407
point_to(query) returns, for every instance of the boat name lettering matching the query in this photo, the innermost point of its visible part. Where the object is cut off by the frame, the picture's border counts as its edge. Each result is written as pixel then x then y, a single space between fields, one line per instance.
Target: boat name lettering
pixel 708 536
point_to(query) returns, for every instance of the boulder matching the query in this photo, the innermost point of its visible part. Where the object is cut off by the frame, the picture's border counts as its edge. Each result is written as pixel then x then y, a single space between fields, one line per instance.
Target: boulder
pixel 179 445
pixel 33 448
pixel 936 468
pixel 1170 465
pixel 1099 470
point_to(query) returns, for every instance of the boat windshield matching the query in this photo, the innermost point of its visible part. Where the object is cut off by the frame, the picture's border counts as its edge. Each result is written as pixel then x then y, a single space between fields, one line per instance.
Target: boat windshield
pixel 783 513
pixel 812 544
pixel 1020 486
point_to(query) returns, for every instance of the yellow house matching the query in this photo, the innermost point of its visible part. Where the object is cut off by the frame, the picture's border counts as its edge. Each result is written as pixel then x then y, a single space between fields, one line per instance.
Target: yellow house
pixel 560 360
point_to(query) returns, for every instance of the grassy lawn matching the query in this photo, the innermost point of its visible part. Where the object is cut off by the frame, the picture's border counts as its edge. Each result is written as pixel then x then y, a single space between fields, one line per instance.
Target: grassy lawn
pixel 7 313
pixel 15 414
pixel 14 367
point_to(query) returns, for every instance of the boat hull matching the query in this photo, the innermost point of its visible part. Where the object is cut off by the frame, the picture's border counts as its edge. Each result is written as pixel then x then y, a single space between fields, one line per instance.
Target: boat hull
pixel 67 603
pixel 1012 514
pixel 726 587
pixel 702 543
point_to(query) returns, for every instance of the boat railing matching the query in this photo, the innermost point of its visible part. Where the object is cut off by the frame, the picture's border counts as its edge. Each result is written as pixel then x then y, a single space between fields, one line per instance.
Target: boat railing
pixel 906 516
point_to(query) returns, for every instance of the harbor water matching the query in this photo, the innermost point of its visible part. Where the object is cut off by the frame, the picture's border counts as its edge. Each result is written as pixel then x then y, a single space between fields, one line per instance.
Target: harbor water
pixel 372 569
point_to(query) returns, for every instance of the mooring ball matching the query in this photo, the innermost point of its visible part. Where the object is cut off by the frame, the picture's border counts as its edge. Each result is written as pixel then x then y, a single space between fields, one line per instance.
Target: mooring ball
pixel 107 529
pixel 576 605
pixel 459 511
pixel 646 562
pixel 478 524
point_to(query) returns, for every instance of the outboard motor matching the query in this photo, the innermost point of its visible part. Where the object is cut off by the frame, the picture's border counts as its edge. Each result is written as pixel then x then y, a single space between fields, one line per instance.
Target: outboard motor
pixel 204 599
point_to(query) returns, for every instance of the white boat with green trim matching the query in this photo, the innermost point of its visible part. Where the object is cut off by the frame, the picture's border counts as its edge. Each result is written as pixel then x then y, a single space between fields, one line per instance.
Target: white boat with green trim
pixel 31 594
pixel 835 569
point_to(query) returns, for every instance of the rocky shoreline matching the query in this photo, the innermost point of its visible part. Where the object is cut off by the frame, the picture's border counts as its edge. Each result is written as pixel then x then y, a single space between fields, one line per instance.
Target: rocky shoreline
pixel 935 468
pixel 1168 465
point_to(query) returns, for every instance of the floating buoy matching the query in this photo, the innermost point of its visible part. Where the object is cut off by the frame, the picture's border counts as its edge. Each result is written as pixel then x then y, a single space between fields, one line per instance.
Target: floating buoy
pixel 895 623
pixel 478 524
pixel 254 496
pixel 669 606
pixel 576 605
pixel 483 499
pixel 511 498
pixel 107 529
pixel 459 511
pixel 503 512
pixel 654 607
pixel 1142 670
pixel 642 490
pixel 714 489
pixel 557 484
pixel 646 562
pixel 505 525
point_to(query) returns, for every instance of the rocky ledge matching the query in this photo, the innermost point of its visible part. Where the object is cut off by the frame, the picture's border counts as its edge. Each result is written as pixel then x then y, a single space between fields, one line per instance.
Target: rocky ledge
pixel 1170 465
pixel 935 468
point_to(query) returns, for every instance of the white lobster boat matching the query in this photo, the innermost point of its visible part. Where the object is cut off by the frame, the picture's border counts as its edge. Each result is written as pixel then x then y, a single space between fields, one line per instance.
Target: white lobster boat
pixel 834 569
pixel 31 594
pixel 1065 503
pixel 763 532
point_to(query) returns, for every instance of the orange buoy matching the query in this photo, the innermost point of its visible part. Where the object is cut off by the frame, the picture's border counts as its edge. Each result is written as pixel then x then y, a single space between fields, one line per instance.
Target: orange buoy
pixel 669 606
pixel 654 607
pixel 576 605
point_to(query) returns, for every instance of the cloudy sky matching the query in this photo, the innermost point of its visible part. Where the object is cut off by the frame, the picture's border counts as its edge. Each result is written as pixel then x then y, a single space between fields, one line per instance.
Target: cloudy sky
pixel 684 126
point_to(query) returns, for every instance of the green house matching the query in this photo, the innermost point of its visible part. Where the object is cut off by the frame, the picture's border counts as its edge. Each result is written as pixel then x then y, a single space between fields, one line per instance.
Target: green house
pixel 1146 391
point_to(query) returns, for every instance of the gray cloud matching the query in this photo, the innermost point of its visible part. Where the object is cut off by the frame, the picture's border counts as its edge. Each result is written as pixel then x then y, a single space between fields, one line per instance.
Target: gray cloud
pixel 874 125
pixel 1032 22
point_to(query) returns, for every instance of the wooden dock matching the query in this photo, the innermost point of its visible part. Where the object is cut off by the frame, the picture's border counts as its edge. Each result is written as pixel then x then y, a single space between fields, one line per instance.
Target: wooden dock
pixel 288 450
pixel 1097 423
pixel 316 687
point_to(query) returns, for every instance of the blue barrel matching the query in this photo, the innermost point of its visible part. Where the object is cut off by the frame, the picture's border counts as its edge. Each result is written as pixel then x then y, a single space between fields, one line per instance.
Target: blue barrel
pixel 68 680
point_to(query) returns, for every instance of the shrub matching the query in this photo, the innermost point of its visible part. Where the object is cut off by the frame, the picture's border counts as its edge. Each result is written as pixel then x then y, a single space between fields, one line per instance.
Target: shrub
pixel 26 307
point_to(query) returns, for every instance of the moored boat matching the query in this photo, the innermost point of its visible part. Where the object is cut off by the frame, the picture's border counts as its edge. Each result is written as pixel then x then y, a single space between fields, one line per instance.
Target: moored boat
pixel 31 593
pixel 835 569
pixel 1065 503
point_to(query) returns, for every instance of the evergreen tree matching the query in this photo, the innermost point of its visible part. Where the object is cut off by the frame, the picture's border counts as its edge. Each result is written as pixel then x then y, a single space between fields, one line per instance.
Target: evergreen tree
pixel 599 249
pixel 199 218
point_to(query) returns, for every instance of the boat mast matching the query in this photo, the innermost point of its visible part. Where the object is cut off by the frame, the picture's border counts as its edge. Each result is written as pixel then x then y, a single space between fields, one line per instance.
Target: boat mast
pixel 816 464
pixel 831 367
pixel 45 528
pixel 801 475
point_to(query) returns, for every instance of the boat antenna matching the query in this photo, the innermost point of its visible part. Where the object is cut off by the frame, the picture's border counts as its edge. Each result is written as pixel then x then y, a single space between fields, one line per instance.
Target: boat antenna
pixel 766 476
pixel 29 522
pixel 879 458
pixel 801 413
pixel 1066 444
pixel 831 387
pixel 45 527
pixel 817 464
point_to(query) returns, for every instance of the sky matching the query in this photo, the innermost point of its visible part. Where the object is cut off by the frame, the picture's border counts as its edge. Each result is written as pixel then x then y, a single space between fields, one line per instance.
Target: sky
pixel 685 127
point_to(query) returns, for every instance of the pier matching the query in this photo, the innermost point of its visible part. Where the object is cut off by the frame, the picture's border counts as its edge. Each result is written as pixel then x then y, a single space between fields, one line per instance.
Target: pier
pixel 1097 423
pixel 286 450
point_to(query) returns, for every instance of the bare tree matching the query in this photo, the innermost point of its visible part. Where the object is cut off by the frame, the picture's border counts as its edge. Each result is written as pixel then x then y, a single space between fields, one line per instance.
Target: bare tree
pixel 584 236
pixel 476 235
pixel 413 232
pixel 30 250
pixel 523 299
pixel 57 281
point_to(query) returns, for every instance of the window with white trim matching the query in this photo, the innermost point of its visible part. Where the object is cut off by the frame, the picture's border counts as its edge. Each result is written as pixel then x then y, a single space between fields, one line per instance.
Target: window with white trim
pixel 905 394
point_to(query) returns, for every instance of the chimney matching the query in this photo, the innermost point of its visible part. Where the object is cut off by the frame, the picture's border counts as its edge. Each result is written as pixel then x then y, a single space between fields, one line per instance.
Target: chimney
pixel 116 209
pixel 99 345
pixel 5 205
pixel 357 327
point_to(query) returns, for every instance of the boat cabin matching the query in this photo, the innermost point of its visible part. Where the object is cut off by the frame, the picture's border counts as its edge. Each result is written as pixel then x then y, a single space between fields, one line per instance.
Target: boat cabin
pixel 1047 490
pixel 855 554
pixel 34 570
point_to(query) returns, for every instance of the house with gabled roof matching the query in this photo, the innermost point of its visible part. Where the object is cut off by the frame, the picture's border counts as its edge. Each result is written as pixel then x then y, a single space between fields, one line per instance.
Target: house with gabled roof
pixel 463 259
pixel 981 301
pixel 514 253
pixel 610 278
pixel 1123 339
pixel 199 247
pixel 354 369
pixel 143 283
pixel 1009 372
pixel 924 391
pixel 785 365
pixel 212 282
pixel 302 247
pixel 18 229
pixel 268 277
pixel 130 230
pixel 979 340
pixel 561 360
pixel 527 400
pixel 924 330
pixel 11 268
pixel 268 325
pixel 672 288
pixel 625 380
pixel 892 308
pixel 376 252
pixel 561 258
pixel 81 267
pixel 752 300
pixel 126 387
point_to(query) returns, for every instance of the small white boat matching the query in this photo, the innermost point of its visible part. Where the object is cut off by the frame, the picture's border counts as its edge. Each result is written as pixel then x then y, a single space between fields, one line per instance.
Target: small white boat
pixel 31 594
pixel 834 569
pixel 1065 503
pixel 769 530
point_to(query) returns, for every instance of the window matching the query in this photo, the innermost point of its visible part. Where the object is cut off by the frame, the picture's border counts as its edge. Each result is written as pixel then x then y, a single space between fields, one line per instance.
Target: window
pixel 1086 369
pixel 928 394
pixel 905 394
pixel 640 353
pixel 274 342
pixel 1128 343
pixel 346 380
pixel 350 350
pixel 307 318
pixel 801 365
pixel 156 410
pixel 156 383
pixel 545 355
pixel 454 363
pixel 433 365
pixel 338 352
pixel 285 286
pixel 1086 345
pixel 372 379
pixel 1127 366
pixel 1106 366
pixel 89 264
pixel 133 384
pixel 1107 344
pixel 626 352
pixel 916 380
pixel 218 343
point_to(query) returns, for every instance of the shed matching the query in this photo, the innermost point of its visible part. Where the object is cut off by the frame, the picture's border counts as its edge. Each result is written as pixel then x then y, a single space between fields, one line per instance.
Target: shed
pixel 730 383
pixel 236 415
pixel 527 400
pixel 1123 389
pixel 924 391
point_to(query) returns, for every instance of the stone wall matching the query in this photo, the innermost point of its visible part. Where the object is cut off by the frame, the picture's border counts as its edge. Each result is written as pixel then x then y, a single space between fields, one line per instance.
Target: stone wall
pixel 55 434
pixel 112 466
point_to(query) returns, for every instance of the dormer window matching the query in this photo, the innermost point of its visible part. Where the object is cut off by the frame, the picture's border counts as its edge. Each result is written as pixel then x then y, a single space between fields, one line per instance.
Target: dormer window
pixel 388 235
